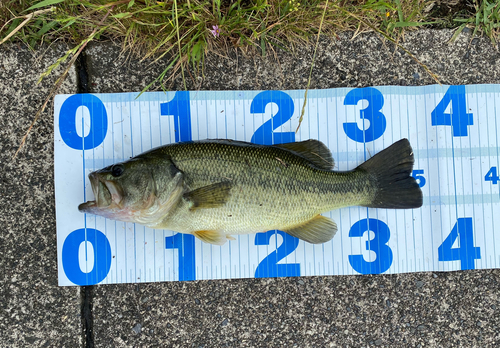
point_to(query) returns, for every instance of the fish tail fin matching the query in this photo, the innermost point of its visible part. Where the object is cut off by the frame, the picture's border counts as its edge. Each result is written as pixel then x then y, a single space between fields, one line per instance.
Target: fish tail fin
pixel 391 170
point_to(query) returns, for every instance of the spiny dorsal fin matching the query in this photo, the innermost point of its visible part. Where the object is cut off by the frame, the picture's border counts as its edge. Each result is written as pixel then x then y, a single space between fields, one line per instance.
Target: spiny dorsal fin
pixel 314 151
pixel 318 230
pixel 211 196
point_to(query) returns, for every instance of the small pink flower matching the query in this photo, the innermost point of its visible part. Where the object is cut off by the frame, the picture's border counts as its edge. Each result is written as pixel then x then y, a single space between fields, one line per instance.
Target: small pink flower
pixel 216 31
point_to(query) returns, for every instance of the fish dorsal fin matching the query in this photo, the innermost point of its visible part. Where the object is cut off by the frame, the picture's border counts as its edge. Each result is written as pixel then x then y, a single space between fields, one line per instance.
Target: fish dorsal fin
pixel 312 150
pixel 318 230
pixel 211 196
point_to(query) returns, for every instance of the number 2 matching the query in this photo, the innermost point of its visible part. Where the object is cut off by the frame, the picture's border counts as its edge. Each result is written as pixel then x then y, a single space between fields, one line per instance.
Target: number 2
pixel 269 267
pixel 265 135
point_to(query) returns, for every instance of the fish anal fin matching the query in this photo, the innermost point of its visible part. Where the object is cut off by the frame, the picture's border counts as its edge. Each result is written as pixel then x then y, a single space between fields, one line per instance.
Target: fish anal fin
pixel 211 196
pixel 312 150
pixel 211 237
pixel 319 229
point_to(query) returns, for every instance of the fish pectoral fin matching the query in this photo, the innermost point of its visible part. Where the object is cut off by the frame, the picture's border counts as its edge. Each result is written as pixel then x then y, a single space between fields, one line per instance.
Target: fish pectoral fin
pixel 318 230
pixel 229 237
pixel 212 237
pixel 312 150
pixel 211 196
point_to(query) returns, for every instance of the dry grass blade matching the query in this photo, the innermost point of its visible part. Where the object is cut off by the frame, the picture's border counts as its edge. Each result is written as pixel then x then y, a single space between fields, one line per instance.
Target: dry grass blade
pixel 23 23
pixel 179 43
pixel 310 71
pixel 56 87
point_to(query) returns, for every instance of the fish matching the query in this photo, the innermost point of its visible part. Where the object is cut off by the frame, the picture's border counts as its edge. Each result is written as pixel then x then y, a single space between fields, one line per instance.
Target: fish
pixel 217 189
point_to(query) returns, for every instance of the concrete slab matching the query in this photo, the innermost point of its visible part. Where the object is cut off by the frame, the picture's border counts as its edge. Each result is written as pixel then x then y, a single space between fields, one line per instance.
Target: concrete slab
pixel 34 311
pixel 457 309
pixel 409 310
pixel 346 62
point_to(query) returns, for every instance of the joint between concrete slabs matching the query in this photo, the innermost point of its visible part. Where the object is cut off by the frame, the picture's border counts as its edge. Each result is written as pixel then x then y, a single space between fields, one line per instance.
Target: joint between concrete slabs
pixel 86 305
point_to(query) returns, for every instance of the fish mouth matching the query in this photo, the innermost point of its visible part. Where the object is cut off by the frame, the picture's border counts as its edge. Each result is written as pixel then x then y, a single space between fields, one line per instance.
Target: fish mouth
pixel 106 193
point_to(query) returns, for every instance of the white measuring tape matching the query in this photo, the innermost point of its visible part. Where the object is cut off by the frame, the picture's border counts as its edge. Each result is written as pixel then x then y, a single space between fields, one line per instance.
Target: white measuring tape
pixel 454 132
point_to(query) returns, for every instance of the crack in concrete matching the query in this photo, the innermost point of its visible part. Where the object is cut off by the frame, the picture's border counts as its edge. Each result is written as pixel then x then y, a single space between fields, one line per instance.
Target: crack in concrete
pixel 86 298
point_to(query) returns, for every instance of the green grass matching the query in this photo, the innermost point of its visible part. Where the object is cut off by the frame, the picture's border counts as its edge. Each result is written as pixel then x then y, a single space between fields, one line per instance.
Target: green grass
pixel 181 29
pixel 184 29
pixel 486 20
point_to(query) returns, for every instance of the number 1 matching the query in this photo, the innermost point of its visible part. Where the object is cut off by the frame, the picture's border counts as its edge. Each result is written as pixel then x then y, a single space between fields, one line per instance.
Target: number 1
pixel 179 108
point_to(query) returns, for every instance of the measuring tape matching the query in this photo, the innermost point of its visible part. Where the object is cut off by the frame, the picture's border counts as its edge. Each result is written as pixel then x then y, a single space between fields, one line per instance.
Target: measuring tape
pixel 454 132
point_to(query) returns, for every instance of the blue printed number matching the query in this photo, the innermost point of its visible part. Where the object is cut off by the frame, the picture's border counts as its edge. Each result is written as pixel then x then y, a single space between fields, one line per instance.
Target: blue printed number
pixel 265 134
pixel 372 113
pixel 378 245
pixel 179 108
pixel 492 176
pixel 269 267
pixel 98 122
pixel 466 253
pixel 102 256
pixel 459 118
pixel 418 174
pixel 184 243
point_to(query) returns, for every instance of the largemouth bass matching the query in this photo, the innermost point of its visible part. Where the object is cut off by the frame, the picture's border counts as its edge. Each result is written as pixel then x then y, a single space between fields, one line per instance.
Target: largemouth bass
pixel 215 189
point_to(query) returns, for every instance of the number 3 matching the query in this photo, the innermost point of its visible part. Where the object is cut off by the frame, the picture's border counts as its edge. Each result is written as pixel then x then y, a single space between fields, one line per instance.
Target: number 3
pixel 371 113
pixel 377 245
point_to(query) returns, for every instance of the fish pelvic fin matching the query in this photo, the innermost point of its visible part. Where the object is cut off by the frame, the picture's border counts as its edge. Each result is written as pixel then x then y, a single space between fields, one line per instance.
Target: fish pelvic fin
pixel 312 150
pixel 318 230
pixel 211 237
pixel 391 170
pixel 211 196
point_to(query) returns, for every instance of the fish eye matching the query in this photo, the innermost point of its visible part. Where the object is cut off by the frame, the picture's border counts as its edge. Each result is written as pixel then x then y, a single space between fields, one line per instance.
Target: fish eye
pixel 117 170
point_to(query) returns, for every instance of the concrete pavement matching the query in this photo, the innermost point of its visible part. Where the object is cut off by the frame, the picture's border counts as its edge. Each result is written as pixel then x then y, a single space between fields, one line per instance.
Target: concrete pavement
pixel 34 311
pixel 408 310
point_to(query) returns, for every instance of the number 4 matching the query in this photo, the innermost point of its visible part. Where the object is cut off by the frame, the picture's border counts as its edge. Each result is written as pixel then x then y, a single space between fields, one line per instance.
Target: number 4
pixel 466 252
pixel 492 176
pixel 458 119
